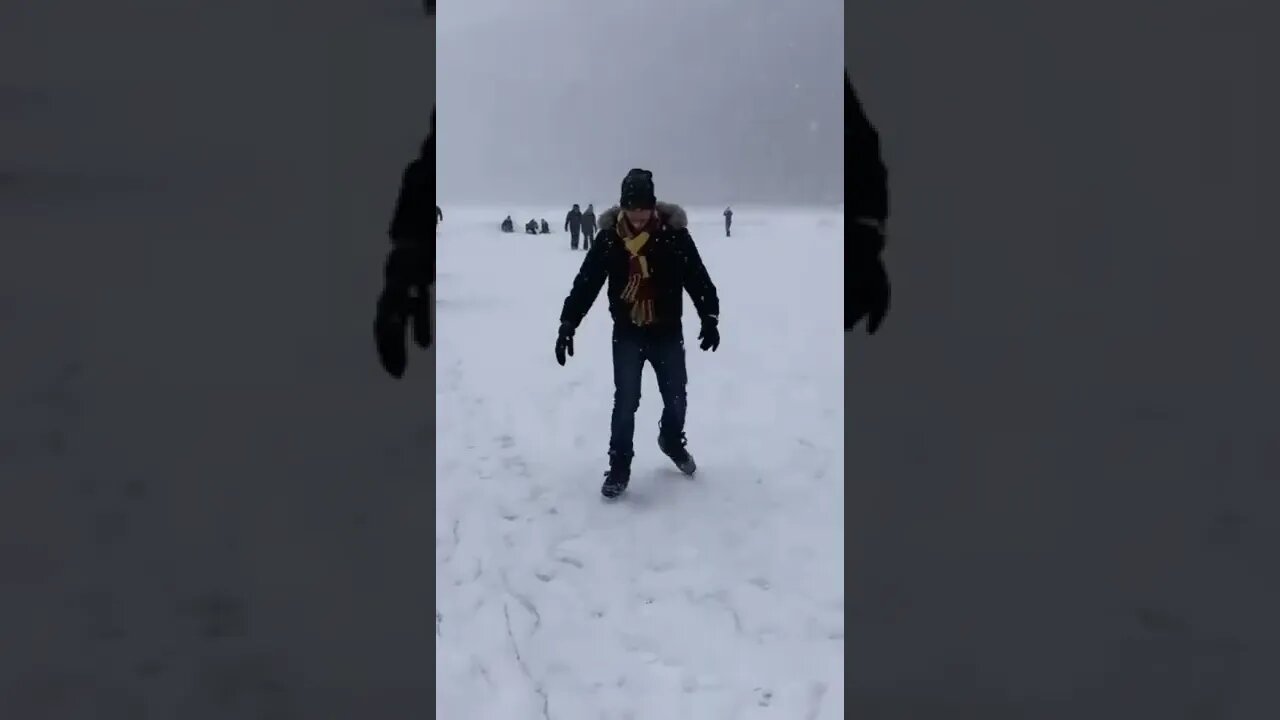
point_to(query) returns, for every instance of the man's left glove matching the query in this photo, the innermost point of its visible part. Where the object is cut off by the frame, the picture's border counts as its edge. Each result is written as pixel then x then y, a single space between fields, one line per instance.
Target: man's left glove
pixel 710 335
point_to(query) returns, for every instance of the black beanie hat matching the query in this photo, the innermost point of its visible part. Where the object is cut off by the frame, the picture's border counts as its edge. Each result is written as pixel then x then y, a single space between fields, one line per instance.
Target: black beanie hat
pixel 637 191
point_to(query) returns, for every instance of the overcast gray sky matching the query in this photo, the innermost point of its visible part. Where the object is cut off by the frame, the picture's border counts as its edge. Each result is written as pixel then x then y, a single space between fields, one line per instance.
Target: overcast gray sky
pixel 727 101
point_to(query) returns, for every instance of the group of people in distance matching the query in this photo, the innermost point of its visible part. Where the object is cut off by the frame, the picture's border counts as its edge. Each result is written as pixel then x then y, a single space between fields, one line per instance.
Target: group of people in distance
pixel 533 227
pixel 581 222
pixel 581 225
pixel 576 223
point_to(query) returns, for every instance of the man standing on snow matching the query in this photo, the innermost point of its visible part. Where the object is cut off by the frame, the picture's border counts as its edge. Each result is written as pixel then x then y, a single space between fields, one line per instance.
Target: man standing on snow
pixel 410 269
pixel 728 220
pixel 867 281
pixel 648 257
pixel 573 223
pixel 588 226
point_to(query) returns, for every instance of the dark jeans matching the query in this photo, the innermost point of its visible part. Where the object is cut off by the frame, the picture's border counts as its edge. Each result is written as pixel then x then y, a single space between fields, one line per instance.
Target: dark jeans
pixel 663 350
pixel 573 238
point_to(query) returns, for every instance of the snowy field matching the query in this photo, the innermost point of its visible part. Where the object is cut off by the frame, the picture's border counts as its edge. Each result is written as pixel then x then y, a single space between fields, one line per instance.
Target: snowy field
pixel 715 597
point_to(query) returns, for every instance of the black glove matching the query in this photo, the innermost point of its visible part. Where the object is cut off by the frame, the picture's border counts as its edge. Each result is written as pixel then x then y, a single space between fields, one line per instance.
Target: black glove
pixel 710 335
pixel 405 300
pixel 564 342
pixel 867 283
pixel 390 327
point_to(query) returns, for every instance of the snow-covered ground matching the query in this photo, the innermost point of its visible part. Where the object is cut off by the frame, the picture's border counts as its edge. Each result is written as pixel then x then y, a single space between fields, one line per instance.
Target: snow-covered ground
pixel 715 597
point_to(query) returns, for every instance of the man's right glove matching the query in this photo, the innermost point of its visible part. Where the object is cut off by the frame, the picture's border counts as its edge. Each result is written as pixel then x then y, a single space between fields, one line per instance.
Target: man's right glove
pixel 867 285
pixel 564 342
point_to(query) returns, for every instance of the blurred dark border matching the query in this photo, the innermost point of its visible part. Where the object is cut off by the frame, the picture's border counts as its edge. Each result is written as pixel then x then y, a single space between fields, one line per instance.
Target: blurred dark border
pixel 1061 452
pixel 191 582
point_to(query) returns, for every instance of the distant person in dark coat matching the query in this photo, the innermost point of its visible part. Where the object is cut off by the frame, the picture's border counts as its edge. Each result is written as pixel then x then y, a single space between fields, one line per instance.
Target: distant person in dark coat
pixel 546 227
pixel 573 223
pixel 588 226
pixel 728 221
pixel 531 227
pixel 508 225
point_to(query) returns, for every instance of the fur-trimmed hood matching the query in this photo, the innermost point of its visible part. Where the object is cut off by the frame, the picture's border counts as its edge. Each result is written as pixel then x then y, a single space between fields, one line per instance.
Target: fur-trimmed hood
pixel 672 215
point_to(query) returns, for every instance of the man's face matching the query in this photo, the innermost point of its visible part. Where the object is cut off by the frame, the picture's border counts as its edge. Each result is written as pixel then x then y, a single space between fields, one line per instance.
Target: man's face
pixel 639 217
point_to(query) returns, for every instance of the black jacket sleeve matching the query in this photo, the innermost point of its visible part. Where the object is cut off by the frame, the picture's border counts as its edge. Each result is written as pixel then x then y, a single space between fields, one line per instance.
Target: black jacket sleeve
pixel 414 219
pixel 697 281
pixel 413 222
pixel 586 285
pixel 868 185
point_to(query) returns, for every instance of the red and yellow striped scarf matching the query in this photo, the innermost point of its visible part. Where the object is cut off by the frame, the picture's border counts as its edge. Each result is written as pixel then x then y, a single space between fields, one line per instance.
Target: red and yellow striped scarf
pixel 638 291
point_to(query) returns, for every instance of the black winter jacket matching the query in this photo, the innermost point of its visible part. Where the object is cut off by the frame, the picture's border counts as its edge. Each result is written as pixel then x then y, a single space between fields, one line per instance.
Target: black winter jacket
pixel 674 264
